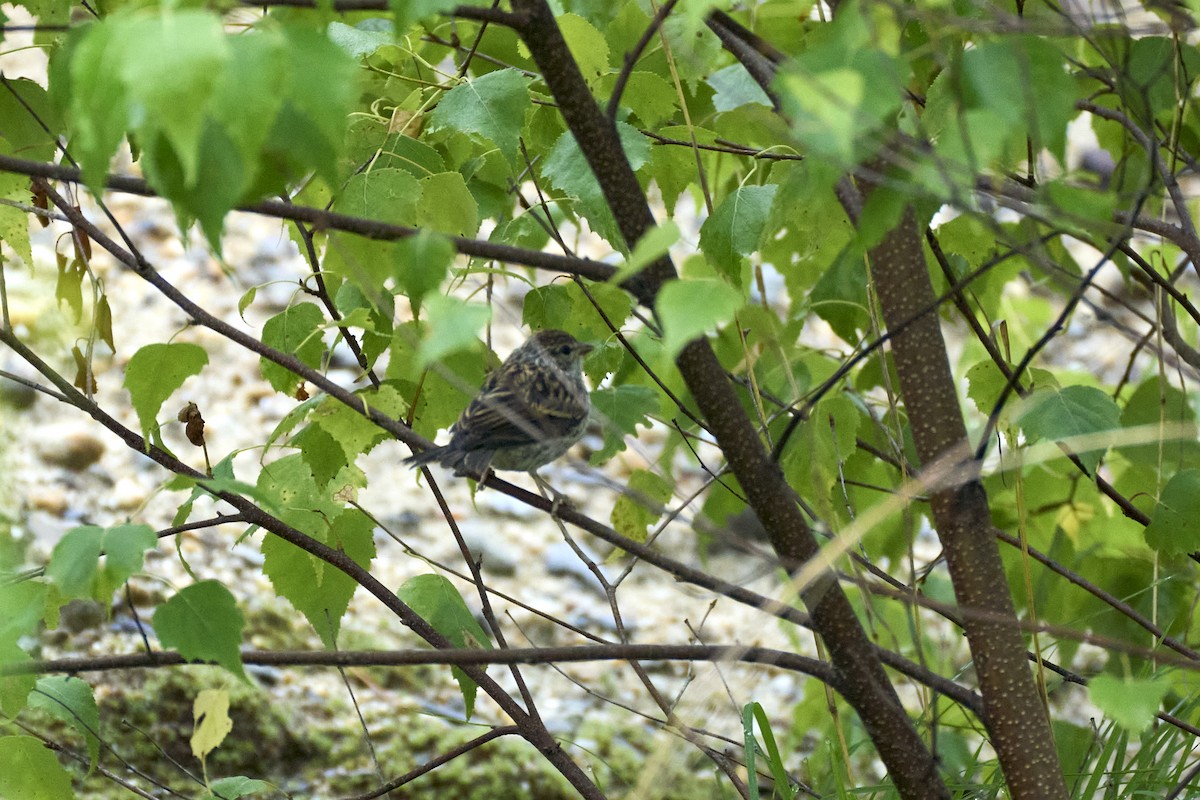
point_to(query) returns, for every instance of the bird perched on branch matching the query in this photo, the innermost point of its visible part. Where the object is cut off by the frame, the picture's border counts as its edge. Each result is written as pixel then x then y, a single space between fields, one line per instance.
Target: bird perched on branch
pixel 528 413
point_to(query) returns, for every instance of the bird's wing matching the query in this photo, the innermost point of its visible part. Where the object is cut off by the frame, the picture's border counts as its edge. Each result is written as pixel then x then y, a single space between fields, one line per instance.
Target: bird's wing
pixel 500 416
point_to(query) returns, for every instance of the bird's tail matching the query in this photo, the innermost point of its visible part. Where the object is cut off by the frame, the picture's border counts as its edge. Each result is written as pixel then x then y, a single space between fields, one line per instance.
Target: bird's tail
pixel 433 455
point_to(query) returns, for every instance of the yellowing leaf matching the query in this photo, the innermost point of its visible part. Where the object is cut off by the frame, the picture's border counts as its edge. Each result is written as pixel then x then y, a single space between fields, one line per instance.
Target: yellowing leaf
pixel 639 506
pixel 212 723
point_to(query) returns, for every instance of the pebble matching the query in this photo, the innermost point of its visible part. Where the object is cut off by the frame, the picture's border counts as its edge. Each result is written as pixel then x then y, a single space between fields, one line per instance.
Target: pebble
pixel 12 393
pixel 46 529
pixel 51 499
pixel 131 626
pixel 503 505
pixel 69 445
pixel 80 615
pixel 561 559
pixel 487 547
pixel 128 494
pixel 251 556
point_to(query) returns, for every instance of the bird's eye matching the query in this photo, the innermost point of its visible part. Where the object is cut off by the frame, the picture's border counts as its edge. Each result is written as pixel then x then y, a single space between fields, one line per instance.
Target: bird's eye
pixel 564 350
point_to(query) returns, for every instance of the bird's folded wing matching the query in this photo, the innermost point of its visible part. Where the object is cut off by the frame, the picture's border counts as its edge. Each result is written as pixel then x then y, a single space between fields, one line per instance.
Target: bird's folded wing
pixel 496 420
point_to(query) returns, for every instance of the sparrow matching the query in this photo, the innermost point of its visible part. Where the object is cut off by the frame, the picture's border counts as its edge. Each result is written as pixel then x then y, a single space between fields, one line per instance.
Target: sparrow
pixel 528 412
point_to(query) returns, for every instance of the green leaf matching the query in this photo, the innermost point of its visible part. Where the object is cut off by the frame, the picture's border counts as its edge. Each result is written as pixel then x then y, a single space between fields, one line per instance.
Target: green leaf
pixel 734 86
pixel 352 432
pixel 840 295
pixel 1011 77
pixel 170 67
pixel 386 193
pixel 94 103
pixel 315 588
pixel 30 771
pixel 550 306
pixel 74 561
pixel 104 322
pixel 985 381
pixel 22 607
pixel 753 713
pixel 621 409
pixel 586 44
pixel 692 308
pixel 296 331
pixel 436 599
pixel 842 88
pixel 825 109
pixel 1129 702
pixel 14 689
pixel 1174 527
pixel 1153 404
pixel 322 85
pixel 74 564
pixel 322 453
pixel 245 300
pixel 447 206
pixel 375 318
pixel 453 325
pixel 23 130
pixel 383 193
pixel 363 39
pixel 1058 414
pixel 421 264
pixel 69 286
pixel 14 223
pixel 524 230
pixel 398 151
pixel 649 96
pixel 673 169
pixel 155 372
pixel 406 12
pixel 1084 208
pixel 439 395
pixel 654 244
pixel 696 49
pixel 492 107
pixel 71 700
pixel 735 228
pixel 203 623
pixel 235 787
pixel 568 308
pixel 639 506
pixel 566 169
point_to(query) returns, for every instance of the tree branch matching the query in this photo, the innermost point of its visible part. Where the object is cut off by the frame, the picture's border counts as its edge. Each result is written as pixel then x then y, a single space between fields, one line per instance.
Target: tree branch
pixel 320 219
pixel 456 657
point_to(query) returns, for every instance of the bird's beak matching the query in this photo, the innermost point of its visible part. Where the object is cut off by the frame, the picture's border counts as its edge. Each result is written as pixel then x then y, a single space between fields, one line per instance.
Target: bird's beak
pixel 583 348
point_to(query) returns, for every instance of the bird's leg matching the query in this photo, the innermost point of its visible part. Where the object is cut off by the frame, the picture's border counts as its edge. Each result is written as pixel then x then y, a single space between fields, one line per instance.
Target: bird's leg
pixel 557 499
pixel 486 473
